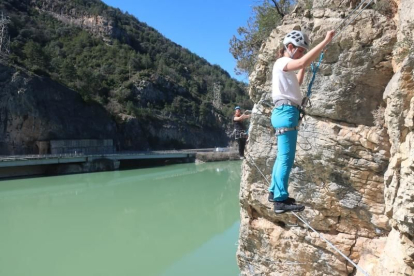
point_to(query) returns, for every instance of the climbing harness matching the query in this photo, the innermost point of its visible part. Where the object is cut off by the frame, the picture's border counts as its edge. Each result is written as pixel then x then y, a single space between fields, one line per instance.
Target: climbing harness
pixel 309 226
pixel 286 102
pixel 281 130
pixel 240 134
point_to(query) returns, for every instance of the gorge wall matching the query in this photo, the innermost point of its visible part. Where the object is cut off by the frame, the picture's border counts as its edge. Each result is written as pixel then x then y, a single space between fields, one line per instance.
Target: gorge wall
pixel 34 108
pixel 84 70
pixel 354 161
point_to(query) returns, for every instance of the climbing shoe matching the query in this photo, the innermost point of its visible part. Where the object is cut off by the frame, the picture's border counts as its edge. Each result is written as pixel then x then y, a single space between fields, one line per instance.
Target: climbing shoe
pixel 285 206
pixel 272 196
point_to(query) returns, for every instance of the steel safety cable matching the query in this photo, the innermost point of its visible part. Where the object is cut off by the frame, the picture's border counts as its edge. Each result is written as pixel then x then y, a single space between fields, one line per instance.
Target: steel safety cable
pixel 331 245
pixel 353 19
pixel 319 234
pixel 252 162
pixel 315 67
pixel 350 14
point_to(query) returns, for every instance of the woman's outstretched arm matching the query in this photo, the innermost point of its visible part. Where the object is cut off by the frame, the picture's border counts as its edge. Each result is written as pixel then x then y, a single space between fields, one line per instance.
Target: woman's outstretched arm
pixel 307 59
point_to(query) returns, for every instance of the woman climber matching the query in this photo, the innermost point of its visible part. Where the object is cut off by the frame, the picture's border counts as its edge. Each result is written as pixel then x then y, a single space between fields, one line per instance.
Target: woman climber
pixel 287 99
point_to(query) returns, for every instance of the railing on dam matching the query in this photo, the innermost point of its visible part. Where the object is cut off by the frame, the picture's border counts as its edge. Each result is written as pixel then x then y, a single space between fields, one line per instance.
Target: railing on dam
pixel 45 159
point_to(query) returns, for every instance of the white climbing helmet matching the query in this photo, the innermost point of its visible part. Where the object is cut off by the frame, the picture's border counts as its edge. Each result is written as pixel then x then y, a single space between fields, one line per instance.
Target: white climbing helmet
pixel 297 38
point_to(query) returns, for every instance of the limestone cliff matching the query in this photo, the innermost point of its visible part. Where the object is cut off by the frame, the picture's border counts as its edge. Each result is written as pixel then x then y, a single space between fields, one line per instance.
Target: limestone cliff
pixel 68 13
pixel 354 163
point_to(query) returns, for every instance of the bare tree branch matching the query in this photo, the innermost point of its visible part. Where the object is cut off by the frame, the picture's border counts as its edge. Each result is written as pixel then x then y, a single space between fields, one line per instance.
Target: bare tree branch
pixel 278 8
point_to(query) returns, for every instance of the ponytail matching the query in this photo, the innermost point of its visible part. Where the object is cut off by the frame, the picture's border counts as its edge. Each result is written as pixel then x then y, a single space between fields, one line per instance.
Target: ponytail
pixel 281 52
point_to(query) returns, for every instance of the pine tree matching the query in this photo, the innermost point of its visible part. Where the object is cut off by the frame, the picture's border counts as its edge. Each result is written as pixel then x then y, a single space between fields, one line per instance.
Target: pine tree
pixel 35 57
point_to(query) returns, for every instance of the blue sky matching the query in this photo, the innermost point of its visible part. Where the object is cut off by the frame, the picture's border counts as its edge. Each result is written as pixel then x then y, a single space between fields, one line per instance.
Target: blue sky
pixel 203 27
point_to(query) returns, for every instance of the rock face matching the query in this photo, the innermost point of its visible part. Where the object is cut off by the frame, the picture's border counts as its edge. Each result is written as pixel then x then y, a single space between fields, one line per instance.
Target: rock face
pixel 354 160
pixel 65 12
pixel 34 109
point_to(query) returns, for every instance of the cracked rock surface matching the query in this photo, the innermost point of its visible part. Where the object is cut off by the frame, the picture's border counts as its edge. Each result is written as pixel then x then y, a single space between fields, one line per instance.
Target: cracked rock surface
pixel 354 161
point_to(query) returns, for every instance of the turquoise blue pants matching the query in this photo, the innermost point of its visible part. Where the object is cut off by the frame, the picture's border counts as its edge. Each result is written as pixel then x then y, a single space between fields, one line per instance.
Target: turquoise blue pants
pixel 284 116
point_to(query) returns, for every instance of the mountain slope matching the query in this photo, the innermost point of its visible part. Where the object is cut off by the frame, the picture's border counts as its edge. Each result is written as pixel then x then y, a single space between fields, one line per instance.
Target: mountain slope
pixel 136 74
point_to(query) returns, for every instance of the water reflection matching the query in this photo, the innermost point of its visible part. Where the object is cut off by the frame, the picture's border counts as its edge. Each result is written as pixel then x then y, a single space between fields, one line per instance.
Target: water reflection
pixel 138 222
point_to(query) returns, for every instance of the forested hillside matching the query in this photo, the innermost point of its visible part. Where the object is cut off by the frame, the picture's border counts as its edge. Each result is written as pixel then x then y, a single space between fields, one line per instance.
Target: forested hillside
pixel 111 58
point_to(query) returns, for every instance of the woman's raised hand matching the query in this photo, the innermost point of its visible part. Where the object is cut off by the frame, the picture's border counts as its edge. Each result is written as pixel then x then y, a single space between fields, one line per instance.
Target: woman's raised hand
pixel 329 36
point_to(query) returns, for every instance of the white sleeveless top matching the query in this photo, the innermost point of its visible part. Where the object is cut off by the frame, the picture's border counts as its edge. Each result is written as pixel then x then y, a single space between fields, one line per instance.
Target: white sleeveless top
pixel 285 85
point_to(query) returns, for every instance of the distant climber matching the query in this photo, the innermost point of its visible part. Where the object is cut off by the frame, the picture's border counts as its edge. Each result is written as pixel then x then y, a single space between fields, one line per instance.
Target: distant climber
pixel 240 130
pixel 287 101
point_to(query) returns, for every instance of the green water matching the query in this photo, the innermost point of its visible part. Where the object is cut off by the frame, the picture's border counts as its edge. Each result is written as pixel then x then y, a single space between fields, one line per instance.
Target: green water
pixel 172 220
